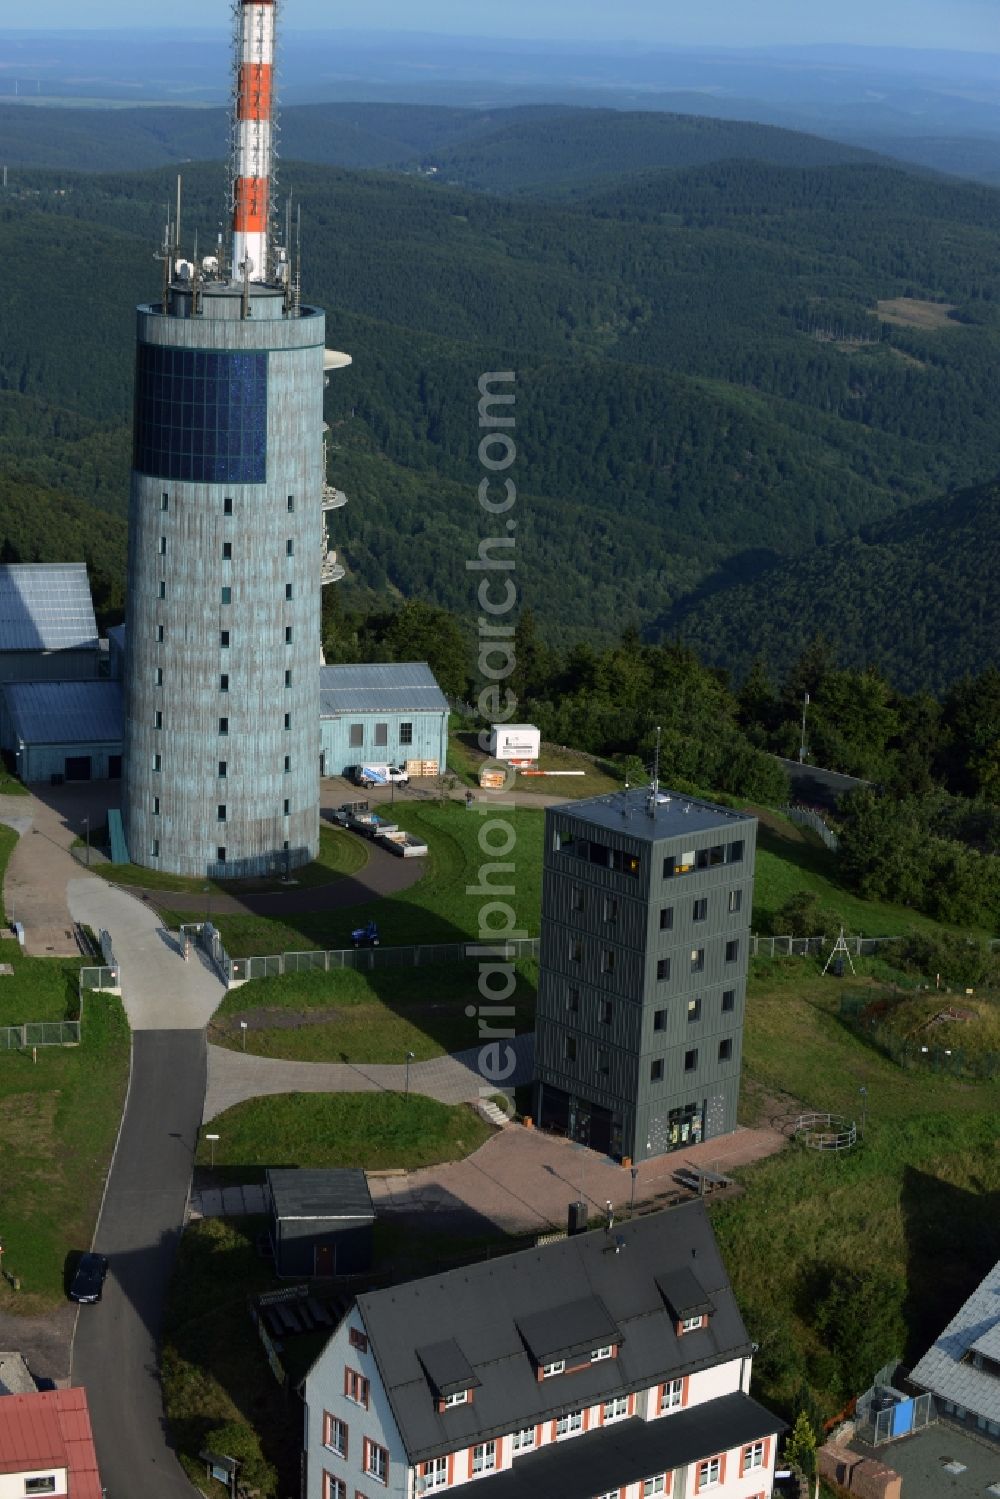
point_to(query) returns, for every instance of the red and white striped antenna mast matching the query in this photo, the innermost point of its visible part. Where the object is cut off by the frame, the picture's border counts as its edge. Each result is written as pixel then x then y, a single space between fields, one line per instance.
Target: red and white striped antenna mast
pixel 252 167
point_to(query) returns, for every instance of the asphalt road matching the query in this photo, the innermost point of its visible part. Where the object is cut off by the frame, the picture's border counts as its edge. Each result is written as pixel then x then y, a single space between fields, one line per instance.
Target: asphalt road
pixel 115 1355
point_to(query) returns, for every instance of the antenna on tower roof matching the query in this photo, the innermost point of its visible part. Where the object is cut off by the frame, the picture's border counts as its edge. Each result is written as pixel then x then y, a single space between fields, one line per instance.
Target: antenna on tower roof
pixel 654 789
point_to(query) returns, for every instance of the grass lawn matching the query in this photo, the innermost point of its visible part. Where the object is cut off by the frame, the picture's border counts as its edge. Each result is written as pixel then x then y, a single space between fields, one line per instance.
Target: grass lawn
pixel 8 843
pixel 38 989
pixel 367 1017
pixel 437 909
pixel 790 859
pixel 917 1201
pixel 9 784
pixel 340 853
pixel 58 1122
pixel 465 759
pixel 373 1130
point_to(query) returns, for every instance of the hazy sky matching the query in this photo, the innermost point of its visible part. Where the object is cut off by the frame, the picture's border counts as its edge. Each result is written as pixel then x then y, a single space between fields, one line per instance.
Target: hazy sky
pixel 959 24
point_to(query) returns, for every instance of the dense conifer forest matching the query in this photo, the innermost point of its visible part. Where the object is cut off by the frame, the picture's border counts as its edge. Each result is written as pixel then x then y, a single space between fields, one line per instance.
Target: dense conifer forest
pixel 736 381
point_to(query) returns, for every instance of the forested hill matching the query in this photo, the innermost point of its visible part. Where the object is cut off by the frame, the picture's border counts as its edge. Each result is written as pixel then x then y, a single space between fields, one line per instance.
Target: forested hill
pixel 916 596
pixel 549 148
pixel 717 367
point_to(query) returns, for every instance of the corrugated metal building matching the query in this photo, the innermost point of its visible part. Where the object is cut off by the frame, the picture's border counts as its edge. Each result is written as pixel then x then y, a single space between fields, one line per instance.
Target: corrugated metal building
pixel 71 730
pixel 382 714
pixel 646 903
pixel 47 627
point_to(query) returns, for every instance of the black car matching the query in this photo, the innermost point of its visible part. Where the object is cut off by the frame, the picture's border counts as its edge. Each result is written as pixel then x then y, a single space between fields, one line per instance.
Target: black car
pixel 88 1279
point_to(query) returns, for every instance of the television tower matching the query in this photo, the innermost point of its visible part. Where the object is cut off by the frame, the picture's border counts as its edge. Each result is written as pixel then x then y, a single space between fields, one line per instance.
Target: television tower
pixel 253 137
pixel 228 548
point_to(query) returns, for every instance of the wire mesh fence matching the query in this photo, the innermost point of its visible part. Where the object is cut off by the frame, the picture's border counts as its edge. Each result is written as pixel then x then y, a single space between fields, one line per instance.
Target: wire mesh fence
pixel 40 1033
pixel 805 817
pixel 274 965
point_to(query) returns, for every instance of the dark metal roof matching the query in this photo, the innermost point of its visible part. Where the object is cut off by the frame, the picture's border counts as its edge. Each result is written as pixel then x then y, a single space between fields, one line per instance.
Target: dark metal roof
pixel 45 606
pixel 76 713
pixel 481 1307
pixel 447 1367
pixel 572 1328
pixel 323 1195
pixel 685 1295
pixel 397 687
pixel 629 1451
pixel 673 814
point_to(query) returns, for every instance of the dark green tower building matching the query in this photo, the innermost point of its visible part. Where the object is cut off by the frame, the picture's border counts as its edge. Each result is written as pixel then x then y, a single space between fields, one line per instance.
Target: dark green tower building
pixel 646 904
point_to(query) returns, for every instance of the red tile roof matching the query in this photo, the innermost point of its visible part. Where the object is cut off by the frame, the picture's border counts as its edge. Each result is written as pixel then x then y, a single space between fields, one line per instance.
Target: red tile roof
pixel 50 1430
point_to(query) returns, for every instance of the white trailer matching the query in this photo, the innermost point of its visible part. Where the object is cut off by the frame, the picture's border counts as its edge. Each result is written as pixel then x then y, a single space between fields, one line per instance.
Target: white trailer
pixel 520 743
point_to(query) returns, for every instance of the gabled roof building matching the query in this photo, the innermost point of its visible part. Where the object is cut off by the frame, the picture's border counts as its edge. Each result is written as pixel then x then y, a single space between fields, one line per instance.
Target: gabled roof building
pixel 47 1446
pixel 962 1369
pixel 612 1363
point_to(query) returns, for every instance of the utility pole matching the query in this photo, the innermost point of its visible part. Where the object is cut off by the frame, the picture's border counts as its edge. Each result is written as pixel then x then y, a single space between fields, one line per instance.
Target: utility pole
pixel 802 741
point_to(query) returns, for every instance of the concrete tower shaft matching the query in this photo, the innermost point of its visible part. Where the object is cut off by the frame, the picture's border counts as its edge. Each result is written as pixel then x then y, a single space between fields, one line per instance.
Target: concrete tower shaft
pixel 253 137
pixel 226 531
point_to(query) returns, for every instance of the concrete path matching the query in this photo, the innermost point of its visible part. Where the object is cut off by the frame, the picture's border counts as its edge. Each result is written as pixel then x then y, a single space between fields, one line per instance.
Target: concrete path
pixel 235 1076
pixel 116 1349
pixel 34 886
pixel 160 991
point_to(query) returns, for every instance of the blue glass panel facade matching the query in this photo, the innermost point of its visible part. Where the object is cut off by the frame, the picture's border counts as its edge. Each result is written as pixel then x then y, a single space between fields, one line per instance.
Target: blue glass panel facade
pixel 200 415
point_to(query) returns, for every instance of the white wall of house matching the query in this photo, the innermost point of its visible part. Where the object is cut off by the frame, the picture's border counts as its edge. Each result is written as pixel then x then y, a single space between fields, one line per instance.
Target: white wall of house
pixel 324 1393
pixel 13 1485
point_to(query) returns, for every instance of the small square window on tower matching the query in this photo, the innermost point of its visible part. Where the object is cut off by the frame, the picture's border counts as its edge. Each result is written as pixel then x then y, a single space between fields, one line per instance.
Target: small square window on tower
pixel 288 591
pixel 291 503
pixel 288 807
pixel 288 720
pixel 220 853
pixel 221 812
pixel 227 551
pixel 227 505
pixel 289 548
pixel 164 502
pixel 288 634
pixel 163 589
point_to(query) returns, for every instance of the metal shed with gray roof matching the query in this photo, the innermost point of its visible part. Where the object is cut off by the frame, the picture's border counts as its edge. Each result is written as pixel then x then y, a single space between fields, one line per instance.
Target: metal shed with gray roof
pixel 63 730
pixel 322 1221
pixel 47 625
pixel 375 713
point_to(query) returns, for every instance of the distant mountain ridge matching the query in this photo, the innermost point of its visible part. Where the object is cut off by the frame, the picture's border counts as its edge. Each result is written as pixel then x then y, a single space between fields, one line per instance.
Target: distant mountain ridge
pixel 531 147
pixel 916 595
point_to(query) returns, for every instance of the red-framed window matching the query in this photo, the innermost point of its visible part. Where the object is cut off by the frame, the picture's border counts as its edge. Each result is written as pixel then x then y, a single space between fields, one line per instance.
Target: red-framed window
pixel 335 1434
pixel 358 1339
pixel 710 1473
pixel 333 1488
pixel 755 1457
pixel 376 1462
pixel 356 1387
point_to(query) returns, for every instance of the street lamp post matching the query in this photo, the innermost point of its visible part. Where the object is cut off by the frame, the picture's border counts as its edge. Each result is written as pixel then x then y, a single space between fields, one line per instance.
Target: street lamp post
pixel 207 892
pixel 631 1206
pixel 86 834
pixel 864 1108
pixel 243 1028
pixel 212 1139
pixel 409 1058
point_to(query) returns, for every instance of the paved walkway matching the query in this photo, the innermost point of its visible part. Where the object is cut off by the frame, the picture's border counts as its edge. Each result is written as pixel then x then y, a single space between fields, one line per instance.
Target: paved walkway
pixel 34 887
pixel 523 1181
pixel 160 991
pixel 235 1076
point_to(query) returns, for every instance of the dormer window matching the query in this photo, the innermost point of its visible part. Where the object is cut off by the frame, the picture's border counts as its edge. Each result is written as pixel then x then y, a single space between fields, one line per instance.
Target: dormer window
pixel 460 1397
pixel 692 1324
pixel 602 1353
pixel 557 1367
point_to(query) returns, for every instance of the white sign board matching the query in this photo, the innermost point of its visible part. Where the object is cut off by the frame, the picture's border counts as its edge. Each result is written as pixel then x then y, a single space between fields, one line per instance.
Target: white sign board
pixel 515 741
